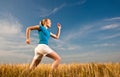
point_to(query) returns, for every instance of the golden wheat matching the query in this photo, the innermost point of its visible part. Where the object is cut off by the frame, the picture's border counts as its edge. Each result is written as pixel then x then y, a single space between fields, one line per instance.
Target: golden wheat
pixel 64 70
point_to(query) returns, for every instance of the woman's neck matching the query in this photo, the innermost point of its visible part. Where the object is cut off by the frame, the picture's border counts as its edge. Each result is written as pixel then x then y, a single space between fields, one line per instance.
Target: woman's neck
pixel 46 27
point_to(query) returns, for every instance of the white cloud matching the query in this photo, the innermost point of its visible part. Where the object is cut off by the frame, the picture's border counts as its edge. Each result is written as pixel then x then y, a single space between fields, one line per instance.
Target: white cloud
pixel 12 40
pixel 111 26
pixel 9 28
pixel 105 45
pixel 78 33
pixel 57 9
pixel 110 36
pixel 62 45
pixel 93 56
pixel 112 19
pixel 47 12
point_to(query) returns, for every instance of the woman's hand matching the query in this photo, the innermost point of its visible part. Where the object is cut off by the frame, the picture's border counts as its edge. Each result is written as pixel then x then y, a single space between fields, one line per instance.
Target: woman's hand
pixel 27 41
pixel 59 26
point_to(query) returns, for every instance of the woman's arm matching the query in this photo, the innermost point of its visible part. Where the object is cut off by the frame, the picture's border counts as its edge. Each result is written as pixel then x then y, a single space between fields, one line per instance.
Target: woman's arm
pixel 56 36
pixel 28 30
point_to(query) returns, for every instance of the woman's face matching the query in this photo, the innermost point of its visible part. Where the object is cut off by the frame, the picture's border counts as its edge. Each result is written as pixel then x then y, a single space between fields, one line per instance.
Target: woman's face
pixel 48 23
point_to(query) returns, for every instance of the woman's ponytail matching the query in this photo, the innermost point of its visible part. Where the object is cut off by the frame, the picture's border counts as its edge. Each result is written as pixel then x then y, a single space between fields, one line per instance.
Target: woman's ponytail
pixel 42 22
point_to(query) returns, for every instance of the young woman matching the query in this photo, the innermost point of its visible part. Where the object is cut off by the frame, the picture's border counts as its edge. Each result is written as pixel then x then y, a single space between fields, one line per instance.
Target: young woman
pixel 43 49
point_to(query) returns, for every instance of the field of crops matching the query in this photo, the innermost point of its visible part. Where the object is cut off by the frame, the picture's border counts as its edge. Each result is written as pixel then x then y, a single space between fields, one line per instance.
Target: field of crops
pixel 64 70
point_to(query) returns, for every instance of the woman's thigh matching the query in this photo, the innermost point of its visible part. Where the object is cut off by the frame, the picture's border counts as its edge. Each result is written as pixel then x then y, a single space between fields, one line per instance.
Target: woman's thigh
pixel 53 55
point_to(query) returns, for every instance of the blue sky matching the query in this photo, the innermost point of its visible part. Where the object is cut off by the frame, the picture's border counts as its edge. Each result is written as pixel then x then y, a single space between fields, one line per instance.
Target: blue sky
pixel 90 29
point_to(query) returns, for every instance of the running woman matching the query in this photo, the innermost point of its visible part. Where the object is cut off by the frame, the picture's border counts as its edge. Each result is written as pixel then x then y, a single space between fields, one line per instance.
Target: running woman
pixel 43 49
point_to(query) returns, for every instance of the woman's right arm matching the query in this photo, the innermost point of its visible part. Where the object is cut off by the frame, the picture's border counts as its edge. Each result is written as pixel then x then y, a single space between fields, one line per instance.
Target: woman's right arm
pixel 28 30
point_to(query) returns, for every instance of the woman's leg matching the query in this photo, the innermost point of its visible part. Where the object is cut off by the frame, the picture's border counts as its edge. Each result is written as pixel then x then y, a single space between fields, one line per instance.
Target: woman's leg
pixel 35 62
pixel 56 58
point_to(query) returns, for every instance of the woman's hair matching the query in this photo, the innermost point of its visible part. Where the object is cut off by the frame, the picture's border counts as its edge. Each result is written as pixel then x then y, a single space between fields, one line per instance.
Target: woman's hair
pixel 42 22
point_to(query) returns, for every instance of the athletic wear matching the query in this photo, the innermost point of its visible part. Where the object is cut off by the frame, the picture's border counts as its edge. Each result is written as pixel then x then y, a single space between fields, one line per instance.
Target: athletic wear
pixel 42 49
pixel 44 35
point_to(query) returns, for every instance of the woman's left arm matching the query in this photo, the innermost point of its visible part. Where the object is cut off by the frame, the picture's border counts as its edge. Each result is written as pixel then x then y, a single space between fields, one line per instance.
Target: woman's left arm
pixel 56 36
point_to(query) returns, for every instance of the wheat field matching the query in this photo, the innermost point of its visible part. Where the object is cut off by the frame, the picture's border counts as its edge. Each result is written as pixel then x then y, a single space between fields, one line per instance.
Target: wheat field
pixel 64 70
